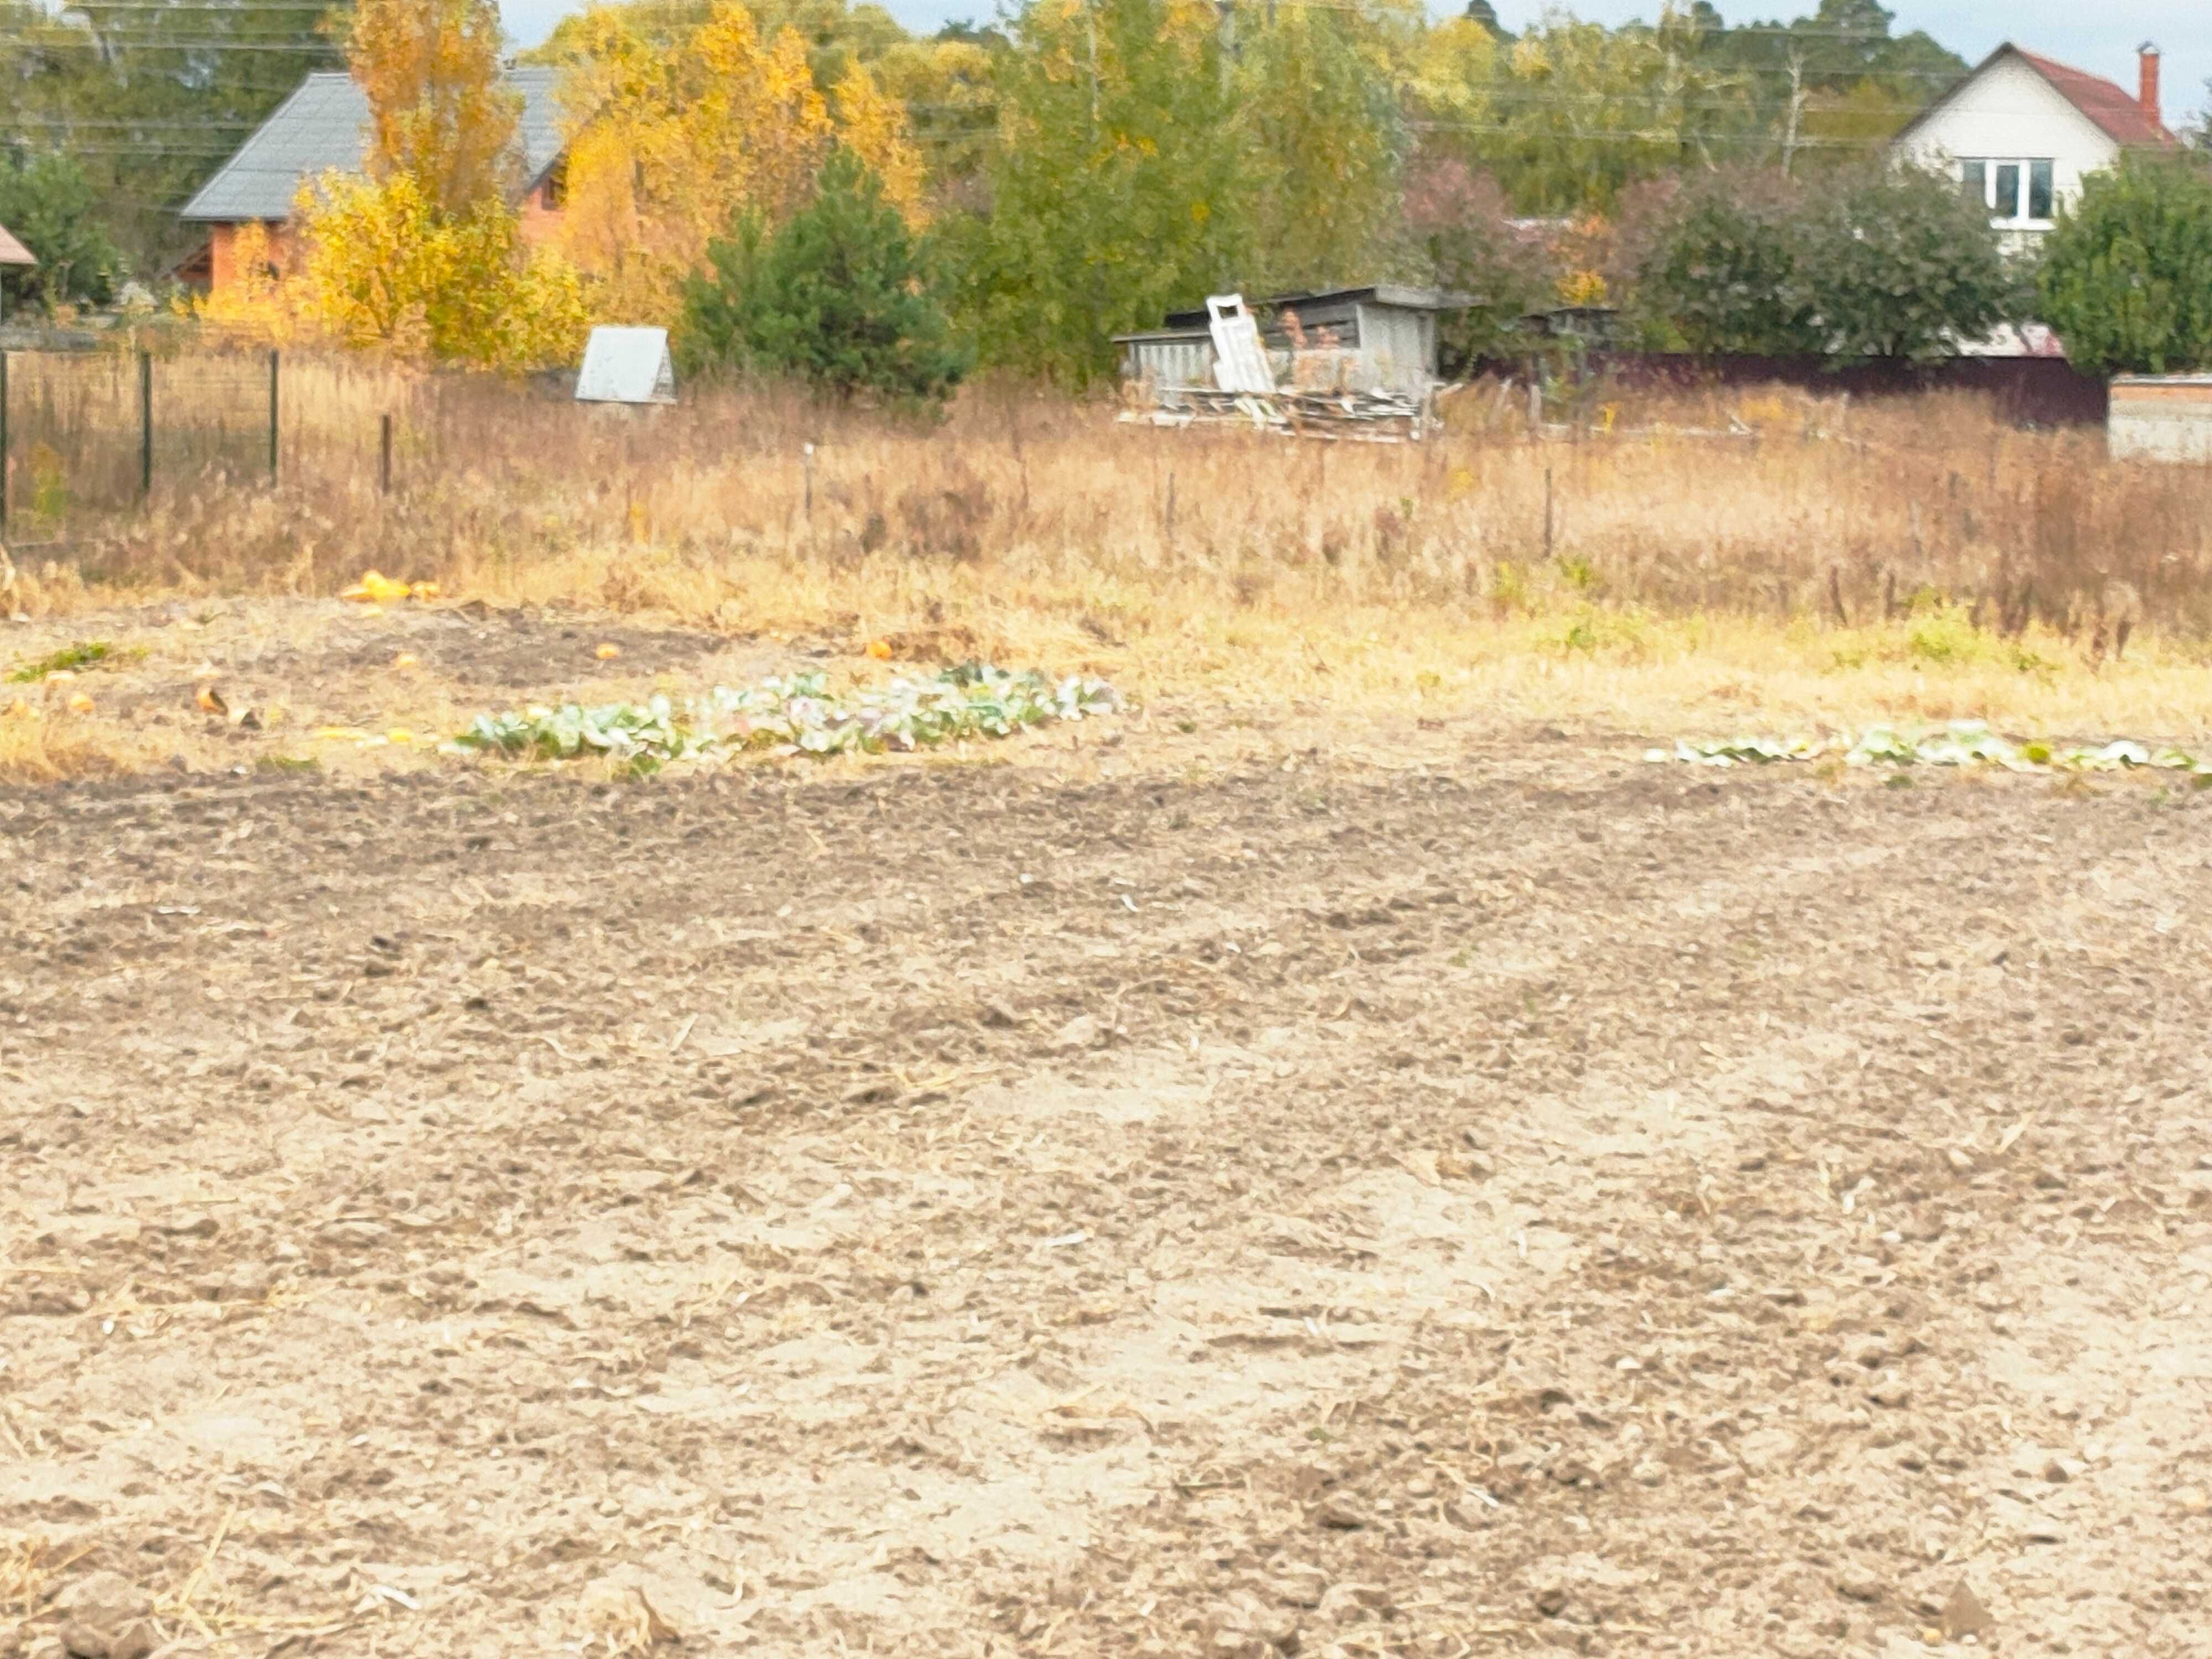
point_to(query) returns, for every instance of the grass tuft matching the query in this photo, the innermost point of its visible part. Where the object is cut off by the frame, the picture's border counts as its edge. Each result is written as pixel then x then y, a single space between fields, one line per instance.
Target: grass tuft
pixel 70 660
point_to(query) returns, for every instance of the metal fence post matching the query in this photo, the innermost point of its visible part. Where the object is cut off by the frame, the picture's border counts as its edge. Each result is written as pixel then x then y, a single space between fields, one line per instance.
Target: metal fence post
pixel 3 443
pixel 145 426
pixel 384 450
pixel 272 416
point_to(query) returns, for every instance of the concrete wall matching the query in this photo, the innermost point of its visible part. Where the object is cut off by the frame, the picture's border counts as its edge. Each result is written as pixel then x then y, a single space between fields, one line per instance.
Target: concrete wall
pixel 2161 419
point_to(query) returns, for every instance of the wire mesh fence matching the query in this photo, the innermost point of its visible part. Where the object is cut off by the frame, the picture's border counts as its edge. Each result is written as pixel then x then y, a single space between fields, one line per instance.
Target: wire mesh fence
pixel 95 441
pixel 89 440
pixel 97 432
pixel 206 461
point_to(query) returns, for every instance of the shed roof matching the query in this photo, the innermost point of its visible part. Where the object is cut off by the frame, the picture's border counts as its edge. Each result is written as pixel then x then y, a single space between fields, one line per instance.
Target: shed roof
pixel 13 252
pixel 2111 108
pixel 324 125
pixel 1384 294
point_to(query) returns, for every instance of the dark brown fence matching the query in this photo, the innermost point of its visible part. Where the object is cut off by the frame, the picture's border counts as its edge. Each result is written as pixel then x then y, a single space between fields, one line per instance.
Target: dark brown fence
pixel 2038 392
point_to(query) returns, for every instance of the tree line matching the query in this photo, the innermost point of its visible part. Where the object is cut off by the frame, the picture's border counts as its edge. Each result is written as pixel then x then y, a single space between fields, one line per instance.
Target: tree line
pixel 803 183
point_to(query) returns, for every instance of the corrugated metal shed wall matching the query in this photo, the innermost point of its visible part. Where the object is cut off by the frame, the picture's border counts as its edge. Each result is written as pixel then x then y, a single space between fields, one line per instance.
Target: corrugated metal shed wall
pixel 1181 361
pixel 1364 347
pixel 1397 349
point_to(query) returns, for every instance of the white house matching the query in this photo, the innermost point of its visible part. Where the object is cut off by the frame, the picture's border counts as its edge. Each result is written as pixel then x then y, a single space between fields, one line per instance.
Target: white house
pixel 2020 132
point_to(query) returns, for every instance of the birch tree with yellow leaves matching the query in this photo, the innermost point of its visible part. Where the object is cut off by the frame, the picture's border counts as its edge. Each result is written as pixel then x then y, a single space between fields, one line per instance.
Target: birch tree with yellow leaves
pixel 671 142
pixel 438 110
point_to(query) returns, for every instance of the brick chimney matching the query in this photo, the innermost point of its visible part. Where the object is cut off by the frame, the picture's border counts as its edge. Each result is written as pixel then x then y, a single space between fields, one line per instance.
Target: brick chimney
pixel 2147 56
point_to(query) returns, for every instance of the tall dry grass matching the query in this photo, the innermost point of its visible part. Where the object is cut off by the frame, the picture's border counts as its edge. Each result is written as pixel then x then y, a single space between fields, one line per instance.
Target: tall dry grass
pixel 1801 539
pixel 1825 510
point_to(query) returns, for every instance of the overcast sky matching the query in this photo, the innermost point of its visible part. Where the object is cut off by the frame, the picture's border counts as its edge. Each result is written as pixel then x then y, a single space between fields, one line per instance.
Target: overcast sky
pixel 2100 38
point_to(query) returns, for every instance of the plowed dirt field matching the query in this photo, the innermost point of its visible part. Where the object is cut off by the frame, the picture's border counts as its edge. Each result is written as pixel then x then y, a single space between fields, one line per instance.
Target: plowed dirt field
pixel 1462 1207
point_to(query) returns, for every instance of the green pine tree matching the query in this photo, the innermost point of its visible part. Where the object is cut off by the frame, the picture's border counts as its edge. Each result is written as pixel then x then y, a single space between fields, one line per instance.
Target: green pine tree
pixel 836 296
pixel 46 200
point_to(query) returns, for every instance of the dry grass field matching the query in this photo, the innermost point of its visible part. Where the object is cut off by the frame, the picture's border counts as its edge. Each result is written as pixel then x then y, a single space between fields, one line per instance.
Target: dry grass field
pixel 1341 1158
pixel 1686 567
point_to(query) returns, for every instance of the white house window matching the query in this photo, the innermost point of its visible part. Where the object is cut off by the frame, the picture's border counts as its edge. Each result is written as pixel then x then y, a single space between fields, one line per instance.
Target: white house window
pixel 2015 192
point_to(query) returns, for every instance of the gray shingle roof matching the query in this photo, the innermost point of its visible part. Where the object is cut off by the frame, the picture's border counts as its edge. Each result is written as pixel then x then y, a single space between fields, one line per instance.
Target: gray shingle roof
pixel 325 124
pixel 541 126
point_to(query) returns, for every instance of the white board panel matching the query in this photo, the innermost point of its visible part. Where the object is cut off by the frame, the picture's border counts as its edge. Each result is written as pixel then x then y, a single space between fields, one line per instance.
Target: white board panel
pixel 627 366
pixel 1240 363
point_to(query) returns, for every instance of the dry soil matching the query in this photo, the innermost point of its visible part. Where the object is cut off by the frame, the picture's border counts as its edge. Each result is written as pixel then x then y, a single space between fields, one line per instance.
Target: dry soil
pixel 1483 1206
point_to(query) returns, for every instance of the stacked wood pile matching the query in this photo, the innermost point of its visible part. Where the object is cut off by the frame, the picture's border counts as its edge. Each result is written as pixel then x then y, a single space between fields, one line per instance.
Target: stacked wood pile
pixel 1333 417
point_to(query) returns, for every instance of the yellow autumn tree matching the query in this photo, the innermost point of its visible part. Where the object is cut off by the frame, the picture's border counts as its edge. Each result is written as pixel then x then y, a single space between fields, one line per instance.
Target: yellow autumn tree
pixel 437 107
pixel 367 272
pixel 670 140
pixel 384 269
pixel 957 81
pixel 1454 65
pixel 423 255
pixel 872 126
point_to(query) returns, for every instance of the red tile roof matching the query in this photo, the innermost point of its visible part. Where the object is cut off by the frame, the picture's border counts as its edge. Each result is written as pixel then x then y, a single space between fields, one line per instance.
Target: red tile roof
pixel 13 252
pixel 2114 110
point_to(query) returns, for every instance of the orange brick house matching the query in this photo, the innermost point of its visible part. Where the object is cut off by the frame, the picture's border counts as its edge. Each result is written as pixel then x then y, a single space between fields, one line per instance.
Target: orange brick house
pixel 324 126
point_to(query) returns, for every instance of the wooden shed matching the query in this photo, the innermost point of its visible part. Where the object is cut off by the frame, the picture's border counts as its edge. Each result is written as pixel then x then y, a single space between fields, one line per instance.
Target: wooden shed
pixel 1378 338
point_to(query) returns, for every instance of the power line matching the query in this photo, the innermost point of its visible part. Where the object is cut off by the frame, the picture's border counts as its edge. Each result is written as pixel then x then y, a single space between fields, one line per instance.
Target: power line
pixel 19 122
pixel 1683 137
pixel 139 154
pixel 1790 31
pixel 140 43
pixel 1811 72
pixel 1793 31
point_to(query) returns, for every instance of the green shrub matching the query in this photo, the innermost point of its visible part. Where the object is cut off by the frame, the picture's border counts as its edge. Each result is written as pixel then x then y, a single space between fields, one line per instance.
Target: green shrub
pixel 2126 277
pixel 1876 263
